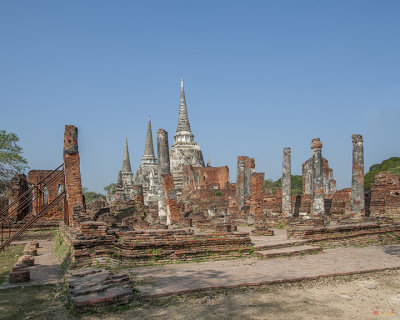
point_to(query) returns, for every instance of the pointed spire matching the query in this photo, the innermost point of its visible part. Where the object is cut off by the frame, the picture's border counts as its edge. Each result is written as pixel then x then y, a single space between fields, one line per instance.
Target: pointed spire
pixel 149 150
pixel 126 164
pixel 183 120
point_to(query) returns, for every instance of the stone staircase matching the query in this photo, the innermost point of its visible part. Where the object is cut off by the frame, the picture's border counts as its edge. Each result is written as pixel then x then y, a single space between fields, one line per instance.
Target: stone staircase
pixel 287 251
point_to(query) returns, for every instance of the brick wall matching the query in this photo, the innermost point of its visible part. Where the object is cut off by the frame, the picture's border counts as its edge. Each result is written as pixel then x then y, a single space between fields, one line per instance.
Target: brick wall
pixel 385 195
pixel 205 177
pixel 38 202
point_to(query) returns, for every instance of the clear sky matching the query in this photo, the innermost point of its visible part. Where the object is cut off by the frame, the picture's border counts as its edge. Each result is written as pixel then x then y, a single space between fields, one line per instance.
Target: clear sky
pixel 259 76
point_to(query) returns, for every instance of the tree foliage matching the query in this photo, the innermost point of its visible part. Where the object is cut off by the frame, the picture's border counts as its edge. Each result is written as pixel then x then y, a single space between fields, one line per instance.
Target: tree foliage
pixel 391 165
pixel 110 188
pixel 11 159
pixel 90 195
pixel 297 184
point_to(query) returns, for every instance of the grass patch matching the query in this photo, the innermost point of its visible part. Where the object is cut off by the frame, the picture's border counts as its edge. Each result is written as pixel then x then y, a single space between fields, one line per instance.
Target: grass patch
pixel 7 259
pixel 32 302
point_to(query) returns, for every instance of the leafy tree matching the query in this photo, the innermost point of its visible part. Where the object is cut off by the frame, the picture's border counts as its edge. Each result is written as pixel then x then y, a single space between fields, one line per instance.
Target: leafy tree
pixel 297 184
pixel 391 165
pixel 90 195
pixel 110 188
pixel 11 159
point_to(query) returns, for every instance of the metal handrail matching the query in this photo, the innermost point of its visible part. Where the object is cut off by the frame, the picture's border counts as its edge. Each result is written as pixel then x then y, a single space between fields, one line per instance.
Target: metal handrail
pixel 28 194
pixel 32 221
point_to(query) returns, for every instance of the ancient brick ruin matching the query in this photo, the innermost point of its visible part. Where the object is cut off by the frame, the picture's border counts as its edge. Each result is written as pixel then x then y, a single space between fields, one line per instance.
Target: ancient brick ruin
pixel 178 210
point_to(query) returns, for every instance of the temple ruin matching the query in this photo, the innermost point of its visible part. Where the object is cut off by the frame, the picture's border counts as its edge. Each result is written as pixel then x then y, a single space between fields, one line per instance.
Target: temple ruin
pixel 177 210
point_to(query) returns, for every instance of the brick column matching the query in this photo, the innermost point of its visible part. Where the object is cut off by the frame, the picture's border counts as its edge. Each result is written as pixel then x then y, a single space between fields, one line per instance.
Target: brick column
pixel 163 168
pixel 73 184
pixel 257 196
pixel 357 206
pixel 170 198
pixel 318 183
pixel 286 184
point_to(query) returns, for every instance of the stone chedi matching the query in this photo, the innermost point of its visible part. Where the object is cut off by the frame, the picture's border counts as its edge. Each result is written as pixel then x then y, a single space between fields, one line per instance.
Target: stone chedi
pixel 184 151
pixel 125 184
pixel 147 174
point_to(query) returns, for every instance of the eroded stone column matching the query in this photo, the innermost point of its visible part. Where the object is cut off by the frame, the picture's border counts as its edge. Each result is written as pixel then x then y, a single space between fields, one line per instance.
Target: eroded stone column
pixel 357 205
pixel 245 168
pixel 286 184
pixel 318 183
pixel 163 168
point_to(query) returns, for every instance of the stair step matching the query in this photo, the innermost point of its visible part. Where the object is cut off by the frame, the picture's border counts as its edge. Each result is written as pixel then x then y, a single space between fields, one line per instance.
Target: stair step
pixel 279 245
pixel 289 251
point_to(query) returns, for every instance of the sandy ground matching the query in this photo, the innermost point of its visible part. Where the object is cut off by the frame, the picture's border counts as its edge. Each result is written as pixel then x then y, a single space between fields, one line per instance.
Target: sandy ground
pixel 374 296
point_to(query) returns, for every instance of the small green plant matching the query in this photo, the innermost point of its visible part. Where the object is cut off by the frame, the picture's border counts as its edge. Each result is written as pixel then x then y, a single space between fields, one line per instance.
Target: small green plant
pixel 218 193
pixel 281 225
pixel 251 250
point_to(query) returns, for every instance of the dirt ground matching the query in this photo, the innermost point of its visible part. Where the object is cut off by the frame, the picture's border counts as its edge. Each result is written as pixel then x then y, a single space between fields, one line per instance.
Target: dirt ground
pixel 374 296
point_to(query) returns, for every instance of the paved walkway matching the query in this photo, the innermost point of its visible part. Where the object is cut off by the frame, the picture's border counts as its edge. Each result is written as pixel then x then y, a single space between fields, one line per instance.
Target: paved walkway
pixel 46 269
pixel 185 278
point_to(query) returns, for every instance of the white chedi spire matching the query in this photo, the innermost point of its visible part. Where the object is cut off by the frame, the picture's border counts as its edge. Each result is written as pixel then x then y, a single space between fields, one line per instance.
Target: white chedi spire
pixel 183 130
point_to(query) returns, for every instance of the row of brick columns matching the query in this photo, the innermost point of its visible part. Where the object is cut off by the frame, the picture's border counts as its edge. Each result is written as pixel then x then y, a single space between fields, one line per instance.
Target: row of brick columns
pixel 248 184
pixel 357 205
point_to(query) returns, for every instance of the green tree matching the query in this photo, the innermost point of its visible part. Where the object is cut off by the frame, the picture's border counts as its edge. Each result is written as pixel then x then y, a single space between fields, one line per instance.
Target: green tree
pixel 391 165
pixel 90 195
pixel 297 184
pixel 11 159
pixel 110 188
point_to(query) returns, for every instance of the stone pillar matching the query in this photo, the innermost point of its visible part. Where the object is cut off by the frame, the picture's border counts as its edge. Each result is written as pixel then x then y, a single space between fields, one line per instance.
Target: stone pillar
pixel 163 168
pixel 318 184
pixel 72 171
pixel 286 184
pixel 245 167
pixel 257 196
pixel 357 206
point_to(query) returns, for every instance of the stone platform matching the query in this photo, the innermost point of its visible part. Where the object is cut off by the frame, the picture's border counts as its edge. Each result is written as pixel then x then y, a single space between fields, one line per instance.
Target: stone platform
pixel 193 277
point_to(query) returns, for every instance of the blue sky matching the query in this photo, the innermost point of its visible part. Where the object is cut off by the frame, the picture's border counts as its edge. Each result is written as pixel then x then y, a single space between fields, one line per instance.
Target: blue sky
pixel 259 76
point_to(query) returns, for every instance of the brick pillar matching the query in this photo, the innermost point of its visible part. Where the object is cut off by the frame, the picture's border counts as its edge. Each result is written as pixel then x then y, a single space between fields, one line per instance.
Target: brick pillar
pixel 245 167
pixel 170 198
pixel 137 191
pixel 318 183
pixel 163 168
pixel 257 196
pixel 73 183
pixel 286 184
pixel 357 206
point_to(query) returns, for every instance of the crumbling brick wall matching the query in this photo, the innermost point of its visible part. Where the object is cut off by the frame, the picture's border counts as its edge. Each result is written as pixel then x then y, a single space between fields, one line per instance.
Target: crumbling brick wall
pixel 42 198
pixel 205 177
pixel 18 186
pixel 385 195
